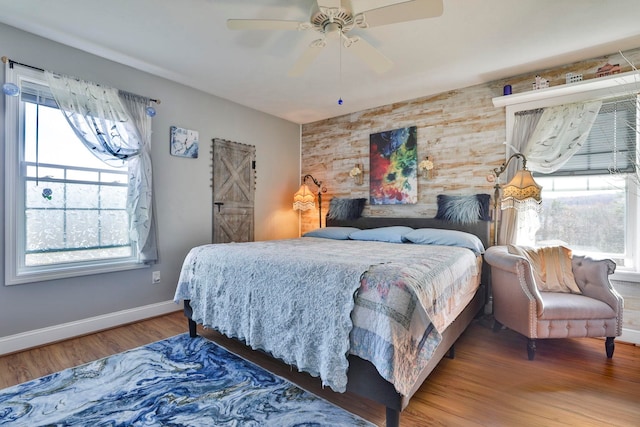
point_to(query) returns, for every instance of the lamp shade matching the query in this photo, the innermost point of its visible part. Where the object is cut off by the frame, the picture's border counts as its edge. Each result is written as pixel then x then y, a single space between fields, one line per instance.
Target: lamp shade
pixel 522 192
pixel 304 199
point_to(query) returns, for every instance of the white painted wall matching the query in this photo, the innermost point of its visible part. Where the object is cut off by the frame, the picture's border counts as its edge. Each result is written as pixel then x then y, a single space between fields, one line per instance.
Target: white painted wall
pixel 182 188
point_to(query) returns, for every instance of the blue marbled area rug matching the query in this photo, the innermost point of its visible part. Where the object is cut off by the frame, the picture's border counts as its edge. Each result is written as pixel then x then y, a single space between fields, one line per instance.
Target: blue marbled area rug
pixel 179 381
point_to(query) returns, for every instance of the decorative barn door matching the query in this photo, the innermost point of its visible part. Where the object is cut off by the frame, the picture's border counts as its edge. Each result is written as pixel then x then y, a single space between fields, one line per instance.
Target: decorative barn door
pixel 233 191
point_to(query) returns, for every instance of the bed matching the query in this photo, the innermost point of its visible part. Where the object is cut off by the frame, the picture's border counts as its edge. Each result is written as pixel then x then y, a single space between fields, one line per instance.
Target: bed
pixel 214 298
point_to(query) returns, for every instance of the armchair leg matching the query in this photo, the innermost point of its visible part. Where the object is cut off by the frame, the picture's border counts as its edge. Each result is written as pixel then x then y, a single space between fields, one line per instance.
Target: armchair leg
pixel 531 348
pixel 496 326
pixel 609 346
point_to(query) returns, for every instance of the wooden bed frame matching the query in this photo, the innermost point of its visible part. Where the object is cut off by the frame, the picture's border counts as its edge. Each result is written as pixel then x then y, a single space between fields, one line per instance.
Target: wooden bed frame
pixel 363 378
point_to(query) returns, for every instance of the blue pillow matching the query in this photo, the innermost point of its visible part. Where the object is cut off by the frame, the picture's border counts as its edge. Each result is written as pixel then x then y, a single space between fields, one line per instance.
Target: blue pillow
pixel 393 234
pixel 438 236
pixel 335 233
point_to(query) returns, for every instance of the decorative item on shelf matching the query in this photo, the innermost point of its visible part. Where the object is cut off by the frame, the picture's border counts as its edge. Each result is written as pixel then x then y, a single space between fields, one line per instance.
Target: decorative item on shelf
pixel 357 173
pixel 506 90
pixel 572 78
pixel 304 199
pixel 608 69
pixel 540 83
pixel 521 193
pixel 425 167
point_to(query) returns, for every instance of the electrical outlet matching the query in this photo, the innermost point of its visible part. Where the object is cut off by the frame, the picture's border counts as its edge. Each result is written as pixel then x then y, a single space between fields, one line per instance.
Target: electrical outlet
pixel 155 277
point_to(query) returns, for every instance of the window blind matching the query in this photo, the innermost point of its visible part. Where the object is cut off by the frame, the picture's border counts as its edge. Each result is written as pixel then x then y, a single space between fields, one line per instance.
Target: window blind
pixel 611 144
pixel 37 94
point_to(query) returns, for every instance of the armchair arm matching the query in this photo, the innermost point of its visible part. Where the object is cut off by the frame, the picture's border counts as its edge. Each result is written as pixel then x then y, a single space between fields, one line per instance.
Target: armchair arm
pixel 592 277
pixel 499 257
pixel 514 290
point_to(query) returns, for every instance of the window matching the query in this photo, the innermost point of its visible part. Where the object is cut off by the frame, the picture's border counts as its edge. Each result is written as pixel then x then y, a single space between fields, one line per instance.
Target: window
pixel 67 209
pixel 590 202
pixel 593 202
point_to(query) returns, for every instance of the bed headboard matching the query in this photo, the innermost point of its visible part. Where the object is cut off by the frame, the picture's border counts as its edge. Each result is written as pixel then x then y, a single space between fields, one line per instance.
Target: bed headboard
pixel 480 228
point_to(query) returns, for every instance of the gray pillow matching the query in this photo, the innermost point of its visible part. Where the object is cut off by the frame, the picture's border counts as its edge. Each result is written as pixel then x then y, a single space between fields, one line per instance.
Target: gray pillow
pixel 463 209
pixel 393 234
pixel 438 236
pixel 345 208
pixel 335 233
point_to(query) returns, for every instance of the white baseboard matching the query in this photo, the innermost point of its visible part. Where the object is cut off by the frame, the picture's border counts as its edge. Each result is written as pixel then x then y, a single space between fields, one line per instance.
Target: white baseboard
pixel 630 336
pixel 38 337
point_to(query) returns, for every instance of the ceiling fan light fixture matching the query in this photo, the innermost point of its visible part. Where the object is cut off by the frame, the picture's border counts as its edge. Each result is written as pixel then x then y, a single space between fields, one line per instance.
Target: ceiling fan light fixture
pixel 335 18
pixel 333 30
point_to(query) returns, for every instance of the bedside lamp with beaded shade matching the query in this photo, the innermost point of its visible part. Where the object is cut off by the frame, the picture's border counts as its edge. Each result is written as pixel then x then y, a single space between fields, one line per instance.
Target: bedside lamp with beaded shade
pixel 304 199
pixel 521 193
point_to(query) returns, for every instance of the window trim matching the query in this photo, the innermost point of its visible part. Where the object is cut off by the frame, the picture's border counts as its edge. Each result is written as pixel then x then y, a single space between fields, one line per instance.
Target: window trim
pixel 15 271
pixel 593 89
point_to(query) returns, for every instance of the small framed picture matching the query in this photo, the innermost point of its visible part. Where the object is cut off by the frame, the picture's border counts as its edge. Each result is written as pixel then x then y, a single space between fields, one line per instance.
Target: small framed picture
pixel 183 142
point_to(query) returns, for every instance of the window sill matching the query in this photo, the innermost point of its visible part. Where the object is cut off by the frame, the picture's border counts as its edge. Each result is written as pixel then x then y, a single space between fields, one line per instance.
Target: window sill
pixel 72 271
pixel 626 276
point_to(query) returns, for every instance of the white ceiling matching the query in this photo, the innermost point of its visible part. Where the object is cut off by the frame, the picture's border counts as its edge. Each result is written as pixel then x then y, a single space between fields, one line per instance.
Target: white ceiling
pixel 474 41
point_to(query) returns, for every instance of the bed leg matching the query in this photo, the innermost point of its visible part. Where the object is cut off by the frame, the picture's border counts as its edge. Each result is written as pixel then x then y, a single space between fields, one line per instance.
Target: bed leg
pixel 452 352
pixel 192 329
pixel 188 312
pixel 393 417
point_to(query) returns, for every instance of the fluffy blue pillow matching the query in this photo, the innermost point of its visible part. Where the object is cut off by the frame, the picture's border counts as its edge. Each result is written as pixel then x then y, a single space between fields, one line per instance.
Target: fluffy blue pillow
pixel 438 236
pixel 335 233
pixel 463 209
pixel 393 234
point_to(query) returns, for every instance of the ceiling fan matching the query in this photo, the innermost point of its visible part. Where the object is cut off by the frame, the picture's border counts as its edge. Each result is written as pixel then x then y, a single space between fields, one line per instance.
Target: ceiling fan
pixel 335 18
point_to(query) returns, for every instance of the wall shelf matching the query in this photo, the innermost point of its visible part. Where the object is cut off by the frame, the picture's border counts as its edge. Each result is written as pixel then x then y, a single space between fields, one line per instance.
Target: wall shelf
pixel 597 87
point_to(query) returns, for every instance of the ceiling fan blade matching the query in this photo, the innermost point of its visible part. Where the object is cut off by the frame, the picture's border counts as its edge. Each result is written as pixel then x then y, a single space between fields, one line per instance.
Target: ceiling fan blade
pixel 400 12
pixel 264 24
pixel 369 54
pixel 307 58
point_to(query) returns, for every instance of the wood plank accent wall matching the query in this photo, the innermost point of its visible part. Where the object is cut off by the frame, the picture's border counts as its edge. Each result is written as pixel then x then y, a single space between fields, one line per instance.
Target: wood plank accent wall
pixel 460 130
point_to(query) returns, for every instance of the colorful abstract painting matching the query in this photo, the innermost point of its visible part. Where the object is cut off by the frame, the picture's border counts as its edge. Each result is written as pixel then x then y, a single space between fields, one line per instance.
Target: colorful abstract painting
pixel 393 161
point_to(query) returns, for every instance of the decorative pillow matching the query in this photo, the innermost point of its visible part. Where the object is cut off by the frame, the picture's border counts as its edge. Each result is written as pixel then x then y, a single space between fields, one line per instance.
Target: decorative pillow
pixel 345 208
pixel 438 236
pixel 464 209
pixel 335 233
pixel 393 234
pixel 551 267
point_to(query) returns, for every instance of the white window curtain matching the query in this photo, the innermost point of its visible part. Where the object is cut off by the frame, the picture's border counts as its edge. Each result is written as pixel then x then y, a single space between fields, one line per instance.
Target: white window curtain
pixel 523 127
pixel 116 129
pixel 559 133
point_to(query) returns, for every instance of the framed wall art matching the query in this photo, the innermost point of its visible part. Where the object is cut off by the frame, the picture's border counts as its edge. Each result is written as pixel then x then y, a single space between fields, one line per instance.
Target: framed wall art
pixel 183 142
pixel 393 159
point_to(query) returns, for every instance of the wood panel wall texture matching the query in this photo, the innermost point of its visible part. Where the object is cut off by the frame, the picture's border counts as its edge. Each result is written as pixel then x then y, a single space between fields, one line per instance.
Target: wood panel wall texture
pixel 461 131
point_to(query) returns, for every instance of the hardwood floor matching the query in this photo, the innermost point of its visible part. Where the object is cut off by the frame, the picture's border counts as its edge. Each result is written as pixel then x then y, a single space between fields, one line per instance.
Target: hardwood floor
pixel 489 383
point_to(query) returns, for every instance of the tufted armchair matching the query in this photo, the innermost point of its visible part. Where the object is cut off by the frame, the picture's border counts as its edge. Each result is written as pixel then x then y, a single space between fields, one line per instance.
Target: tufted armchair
pixel 520 306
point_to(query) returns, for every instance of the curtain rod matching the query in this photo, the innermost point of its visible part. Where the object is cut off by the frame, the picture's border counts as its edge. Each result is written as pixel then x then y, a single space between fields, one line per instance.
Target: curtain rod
pixel 11 62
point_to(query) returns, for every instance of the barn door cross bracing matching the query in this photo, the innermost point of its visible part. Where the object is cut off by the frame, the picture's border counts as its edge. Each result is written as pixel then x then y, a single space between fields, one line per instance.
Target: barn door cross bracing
pixel 233 186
